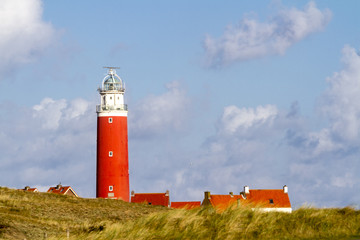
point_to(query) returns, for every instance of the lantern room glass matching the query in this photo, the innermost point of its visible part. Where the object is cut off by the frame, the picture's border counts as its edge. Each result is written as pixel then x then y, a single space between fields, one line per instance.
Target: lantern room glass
pixel 112 82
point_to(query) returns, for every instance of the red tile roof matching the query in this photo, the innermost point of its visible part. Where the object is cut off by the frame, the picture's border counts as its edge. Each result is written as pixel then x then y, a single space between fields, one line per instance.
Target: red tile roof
pixel 66 190
pixel 223 202
pixel 32 190
pixel 28 189
pixel 263 198
pixel 269 198
pixel 186 205
pixel 162 199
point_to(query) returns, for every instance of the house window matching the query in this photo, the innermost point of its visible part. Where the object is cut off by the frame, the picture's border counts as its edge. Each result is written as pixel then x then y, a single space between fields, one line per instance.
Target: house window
pixel 110 98
pixel 271 201
pixel 110 120
pixel 111 188
pixel 110 153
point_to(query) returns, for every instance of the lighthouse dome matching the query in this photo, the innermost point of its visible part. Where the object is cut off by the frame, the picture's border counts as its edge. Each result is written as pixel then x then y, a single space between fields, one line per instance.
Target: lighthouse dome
pixel 112 82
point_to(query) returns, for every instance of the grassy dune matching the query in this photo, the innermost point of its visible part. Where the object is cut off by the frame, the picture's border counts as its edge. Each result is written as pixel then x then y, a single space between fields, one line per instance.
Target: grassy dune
pixel 30 215
pixel 305 223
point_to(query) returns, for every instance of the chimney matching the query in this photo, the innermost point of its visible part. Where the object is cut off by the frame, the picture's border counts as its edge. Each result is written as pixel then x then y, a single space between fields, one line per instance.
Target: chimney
pixel 26 188
pixel 58 186
pixel 285 189
pixel 231 194
pixel 246 190
pixel 207 195
pixel 243 195
pixel 132 193
pixel 167 193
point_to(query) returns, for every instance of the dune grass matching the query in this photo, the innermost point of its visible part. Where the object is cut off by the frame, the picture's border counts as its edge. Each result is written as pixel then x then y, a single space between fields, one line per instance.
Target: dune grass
pixel 30 215
pixel 242 223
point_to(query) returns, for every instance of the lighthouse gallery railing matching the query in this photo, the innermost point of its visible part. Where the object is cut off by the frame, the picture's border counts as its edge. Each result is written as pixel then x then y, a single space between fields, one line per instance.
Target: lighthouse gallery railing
pixel 120 107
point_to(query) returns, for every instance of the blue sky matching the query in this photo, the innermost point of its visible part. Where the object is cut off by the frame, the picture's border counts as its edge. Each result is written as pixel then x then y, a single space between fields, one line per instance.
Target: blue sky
pixel 220 95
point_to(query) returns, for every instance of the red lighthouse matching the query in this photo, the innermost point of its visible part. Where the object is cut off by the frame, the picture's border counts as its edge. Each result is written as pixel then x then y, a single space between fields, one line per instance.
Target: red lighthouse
pixel 112 172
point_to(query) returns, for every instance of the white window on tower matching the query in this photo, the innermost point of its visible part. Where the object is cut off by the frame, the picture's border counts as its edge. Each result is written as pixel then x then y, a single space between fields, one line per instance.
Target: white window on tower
pixel 111 188
pixel 110 153
pixel 110 120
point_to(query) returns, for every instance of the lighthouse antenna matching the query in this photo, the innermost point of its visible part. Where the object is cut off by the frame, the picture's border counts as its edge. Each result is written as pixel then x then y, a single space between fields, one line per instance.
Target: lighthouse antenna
pixel 111 70
pixel 112 67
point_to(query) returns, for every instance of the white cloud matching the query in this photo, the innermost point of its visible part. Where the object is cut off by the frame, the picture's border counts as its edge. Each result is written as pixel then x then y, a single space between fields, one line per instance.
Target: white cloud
pixel 235 118
pixel 341 101
pixel 51 142
pixel 241 152
pixel 340 106
pixel 23 34
pixel 50 112
pixel 154 115
pixel 252 39
pixel 327 160
pixel 77 108
pixel 344 181
pixel 323 140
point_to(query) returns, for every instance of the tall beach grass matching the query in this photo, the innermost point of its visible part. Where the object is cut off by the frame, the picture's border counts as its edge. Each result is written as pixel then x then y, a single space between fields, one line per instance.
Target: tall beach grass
pixel 26 215
pixel 241 223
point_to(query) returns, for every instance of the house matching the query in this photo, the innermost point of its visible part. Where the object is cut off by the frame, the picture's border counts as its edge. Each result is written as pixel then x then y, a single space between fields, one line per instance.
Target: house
pixel 162 199
pixel 186 205
pixel 63 190
pixel 268 199
pixel 29 189
pixel 264 199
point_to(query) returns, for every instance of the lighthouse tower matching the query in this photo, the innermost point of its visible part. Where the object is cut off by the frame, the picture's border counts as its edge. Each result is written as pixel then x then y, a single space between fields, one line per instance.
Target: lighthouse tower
pixel 112 173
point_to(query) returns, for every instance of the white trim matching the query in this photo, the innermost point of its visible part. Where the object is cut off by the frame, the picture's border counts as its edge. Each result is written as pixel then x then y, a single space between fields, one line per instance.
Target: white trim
pixel 286 210
pixel 113 114
pixel 70 189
